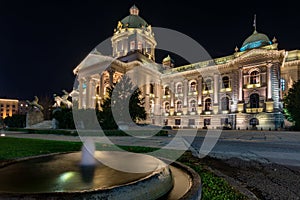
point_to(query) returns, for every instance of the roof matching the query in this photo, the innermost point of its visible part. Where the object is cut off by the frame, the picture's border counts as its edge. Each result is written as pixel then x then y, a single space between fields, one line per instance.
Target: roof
pixel 255 40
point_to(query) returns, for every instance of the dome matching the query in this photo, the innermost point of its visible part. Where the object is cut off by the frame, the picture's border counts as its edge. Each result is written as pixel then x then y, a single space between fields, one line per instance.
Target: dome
pixel 255 40
pixel 134 20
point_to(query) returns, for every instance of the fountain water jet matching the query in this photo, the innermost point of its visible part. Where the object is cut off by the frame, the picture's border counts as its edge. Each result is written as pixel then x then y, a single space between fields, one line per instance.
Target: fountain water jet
pixel 87 153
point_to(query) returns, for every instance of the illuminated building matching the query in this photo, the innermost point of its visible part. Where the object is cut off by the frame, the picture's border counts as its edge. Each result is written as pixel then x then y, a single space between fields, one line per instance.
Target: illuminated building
pixel 8 107
pixel 246 92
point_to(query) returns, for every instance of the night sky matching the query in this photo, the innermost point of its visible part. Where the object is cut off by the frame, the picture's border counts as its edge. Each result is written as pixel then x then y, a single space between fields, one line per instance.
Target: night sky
pixel 41 42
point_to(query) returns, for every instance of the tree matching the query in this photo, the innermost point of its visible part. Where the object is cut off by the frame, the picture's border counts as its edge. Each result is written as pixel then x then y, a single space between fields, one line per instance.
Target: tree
pixel 122 97
pixel 292 104
pixel 15 121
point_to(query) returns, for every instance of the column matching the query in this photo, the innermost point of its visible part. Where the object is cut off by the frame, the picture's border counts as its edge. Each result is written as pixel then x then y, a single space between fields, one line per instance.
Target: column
pixel 147 97
pixel 269 96
pixel 240 84
pixel 157 93
pixel 88 92
pixel 93 94
pixel 185 92
pixel 80 98
pixel 216 88
pixel 172 90
pixel 199 89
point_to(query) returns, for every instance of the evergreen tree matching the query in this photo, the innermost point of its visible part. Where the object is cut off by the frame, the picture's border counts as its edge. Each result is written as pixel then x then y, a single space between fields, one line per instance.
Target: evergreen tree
pixel 292 104
pixel 122 97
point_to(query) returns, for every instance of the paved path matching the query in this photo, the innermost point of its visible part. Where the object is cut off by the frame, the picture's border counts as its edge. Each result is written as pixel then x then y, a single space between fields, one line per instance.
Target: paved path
pixel 264 146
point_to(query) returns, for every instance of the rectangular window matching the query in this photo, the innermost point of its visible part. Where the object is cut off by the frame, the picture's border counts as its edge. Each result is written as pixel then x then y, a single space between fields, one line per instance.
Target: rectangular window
pixel 191 122
pixel 140 45
pixel 177 121
pixel 165 122
pixel 206 122
pixel 132 45
pixel 224 121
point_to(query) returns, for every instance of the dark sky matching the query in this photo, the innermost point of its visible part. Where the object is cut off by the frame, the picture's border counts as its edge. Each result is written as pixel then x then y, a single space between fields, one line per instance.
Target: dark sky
pixel 41 42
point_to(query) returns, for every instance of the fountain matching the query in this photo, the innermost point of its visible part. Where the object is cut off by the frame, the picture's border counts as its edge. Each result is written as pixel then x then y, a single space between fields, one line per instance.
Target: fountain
pixel 79 175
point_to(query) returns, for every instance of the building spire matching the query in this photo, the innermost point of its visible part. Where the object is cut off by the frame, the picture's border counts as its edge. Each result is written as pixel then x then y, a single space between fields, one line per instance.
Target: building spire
pixel 254 23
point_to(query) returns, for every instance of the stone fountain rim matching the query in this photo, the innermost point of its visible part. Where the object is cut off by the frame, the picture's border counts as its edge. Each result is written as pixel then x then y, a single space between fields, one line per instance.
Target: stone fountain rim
pixel 195 180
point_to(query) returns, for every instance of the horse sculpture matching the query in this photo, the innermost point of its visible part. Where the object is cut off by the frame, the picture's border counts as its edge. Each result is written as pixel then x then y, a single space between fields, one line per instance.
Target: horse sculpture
pixel 63 99
pixel 34 104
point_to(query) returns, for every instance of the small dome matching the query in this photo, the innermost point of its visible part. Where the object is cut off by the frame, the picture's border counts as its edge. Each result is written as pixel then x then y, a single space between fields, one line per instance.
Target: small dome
pixel 167 59
pixel 255 40
pixel 134 20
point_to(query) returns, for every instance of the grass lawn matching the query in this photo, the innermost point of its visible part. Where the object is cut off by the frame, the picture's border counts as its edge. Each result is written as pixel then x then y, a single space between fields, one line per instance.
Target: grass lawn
pixel 213 186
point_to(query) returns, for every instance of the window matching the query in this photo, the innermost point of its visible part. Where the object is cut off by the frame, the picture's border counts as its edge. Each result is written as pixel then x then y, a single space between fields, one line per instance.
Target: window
pixel 207 85
pixel 119 46
pixel 167 107
pixel 193 86
pixel 178 106
pixel 206 122
pixel 132 45
pixel 140 45
pixel 282 84
pixel 224 121
pixel 225 103
pixel 165 122
pixel 207 104
pixel 254 122
pixel 151 88
pixel 179 88
pixel 225 82
pixel 193 106
pixel 254 101
pixel 177 121
pixel 98 90
pixel 167 90
pixel 191 122
pixel 254 77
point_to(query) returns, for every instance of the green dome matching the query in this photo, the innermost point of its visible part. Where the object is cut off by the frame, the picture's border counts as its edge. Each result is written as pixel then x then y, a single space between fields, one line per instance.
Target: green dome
pixel 255 40
pixel 134 21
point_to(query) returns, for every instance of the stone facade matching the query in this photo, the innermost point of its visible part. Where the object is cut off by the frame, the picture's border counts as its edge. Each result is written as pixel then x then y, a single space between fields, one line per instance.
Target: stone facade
pixel 240 91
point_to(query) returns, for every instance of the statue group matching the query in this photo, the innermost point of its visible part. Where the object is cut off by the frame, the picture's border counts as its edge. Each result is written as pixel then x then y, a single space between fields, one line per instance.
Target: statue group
pixel 35 114
pixel 62 100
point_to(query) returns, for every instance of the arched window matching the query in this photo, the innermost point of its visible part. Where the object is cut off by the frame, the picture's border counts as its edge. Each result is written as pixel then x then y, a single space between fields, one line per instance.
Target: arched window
pixel 193 106
pixel 225 82
pixel 151 88
pixel 167 107
pixel 207 106
pixel 98 90
pixel 225 103
pixel 254 101
pixel 193 86
pixel 178 106
pixel 167 90
pixel 254 121
pixel 179 88
pixel 207 84
pixel 282 84
pixel 254 77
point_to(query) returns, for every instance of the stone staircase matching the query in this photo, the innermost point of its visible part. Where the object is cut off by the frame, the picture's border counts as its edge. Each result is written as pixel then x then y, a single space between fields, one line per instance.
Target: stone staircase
pixel 47 124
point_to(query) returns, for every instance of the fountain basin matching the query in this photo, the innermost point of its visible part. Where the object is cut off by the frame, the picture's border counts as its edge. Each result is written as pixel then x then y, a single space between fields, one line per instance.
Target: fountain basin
pixel 61 176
